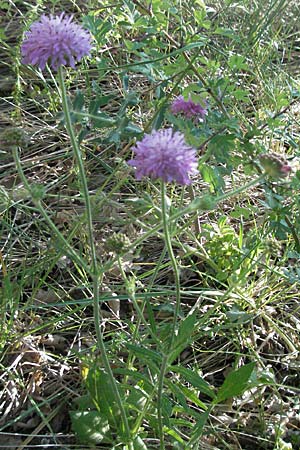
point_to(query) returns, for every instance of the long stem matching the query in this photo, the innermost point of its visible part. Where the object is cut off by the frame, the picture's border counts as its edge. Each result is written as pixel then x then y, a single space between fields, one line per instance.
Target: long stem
pixel 139 312
pixel 194 206
pixel 161 377
pixel 96 275
pixel 168 241
pixel 162 371
pixel 172 257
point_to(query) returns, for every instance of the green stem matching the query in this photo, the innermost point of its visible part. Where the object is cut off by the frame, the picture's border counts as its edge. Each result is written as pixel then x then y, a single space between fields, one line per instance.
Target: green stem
pixel 96 274
pixel 194 206
pixel 168 242
pixel 131 295
pixel 241 188
pixel 165 218
pixel 281 333
pixel 161 377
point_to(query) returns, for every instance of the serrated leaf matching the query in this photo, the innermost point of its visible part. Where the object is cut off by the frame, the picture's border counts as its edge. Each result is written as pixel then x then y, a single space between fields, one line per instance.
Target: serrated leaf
pixel 235 383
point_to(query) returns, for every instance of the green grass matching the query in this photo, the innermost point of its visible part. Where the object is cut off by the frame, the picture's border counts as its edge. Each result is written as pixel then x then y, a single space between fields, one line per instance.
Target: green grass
pixel 220 369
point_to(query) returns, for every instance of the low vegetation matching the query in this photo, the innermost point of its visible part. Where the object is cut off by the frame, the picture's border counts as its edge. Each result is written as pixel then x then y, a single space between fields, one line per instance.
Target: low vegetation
pixel 150 235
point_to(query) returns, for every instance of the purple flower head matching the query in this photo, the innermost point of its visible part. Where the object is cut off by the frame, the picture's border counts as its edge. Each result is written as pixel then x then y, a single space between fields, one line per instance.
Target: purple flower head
pixel 164 154
pixel 188 108
pixel 55 40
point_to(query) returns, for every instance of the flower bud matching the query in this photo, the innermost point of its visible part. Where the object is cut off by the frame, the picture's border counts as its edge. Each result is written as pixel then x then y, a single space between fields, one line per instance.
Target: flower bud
pixel 274 165
pixel 14 137
pixel 117 243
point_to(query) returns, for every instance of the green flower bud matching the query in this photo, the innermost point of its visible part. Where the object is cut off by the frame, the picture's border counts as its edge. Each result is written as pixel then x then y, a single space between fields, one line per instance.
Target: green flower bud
pixel 117 243
pixel 274 165
pixel 14 137
pixel 37 191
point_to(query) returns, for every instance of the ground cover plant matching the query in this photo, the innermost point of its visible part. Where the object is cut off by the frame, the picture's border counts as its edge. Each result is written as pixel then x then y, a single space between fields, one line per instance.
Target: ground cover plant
pixel 149 246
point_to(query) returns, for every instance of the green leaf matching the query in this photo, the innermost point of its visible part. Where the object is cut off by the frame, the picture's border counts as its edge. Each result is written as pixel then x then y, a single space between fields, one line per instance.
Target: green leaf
pixel 192 87
pixel 204 203
pixel 178 394
pixel 172 432
pixel 3 36
pixel 150 357
pixel 183 338
pixel 241 94
pixel 193 397
pixel 235 383
pixel 160 117
pixel 139 444
pixel 133 129
pixel 84 402
pixel 195 380
pixel 221 146
pixel 240 211
pixel 238 315
pixel 136 377
pixel 90 426
pixel 212 176
pixel 99 386
pixel 98 27
pixel 197 432
pixel 78 102
pixel 137 399
pixel 237 62
pixel 102 120
pixel 228 32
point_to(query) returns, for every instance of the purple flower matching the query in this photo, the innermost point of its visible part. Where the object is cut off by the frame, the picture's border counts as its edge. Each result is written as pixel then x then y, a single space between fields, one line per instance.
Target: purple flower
pixel 188 108
pixel 164 154
pixel 55 40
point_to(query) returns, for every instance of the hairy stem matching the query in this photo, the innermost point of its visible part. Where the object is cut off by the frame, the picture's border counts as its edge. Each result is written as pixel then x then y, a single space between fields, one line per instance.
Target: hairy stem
pixel 164 366
pixel 95 273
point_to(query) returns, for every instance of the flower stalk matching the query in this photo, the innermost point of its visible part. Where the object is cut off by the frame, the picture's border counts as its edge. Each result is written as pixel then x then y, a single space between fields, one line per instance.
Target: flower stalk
pixel 95 273
pixel 164 365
